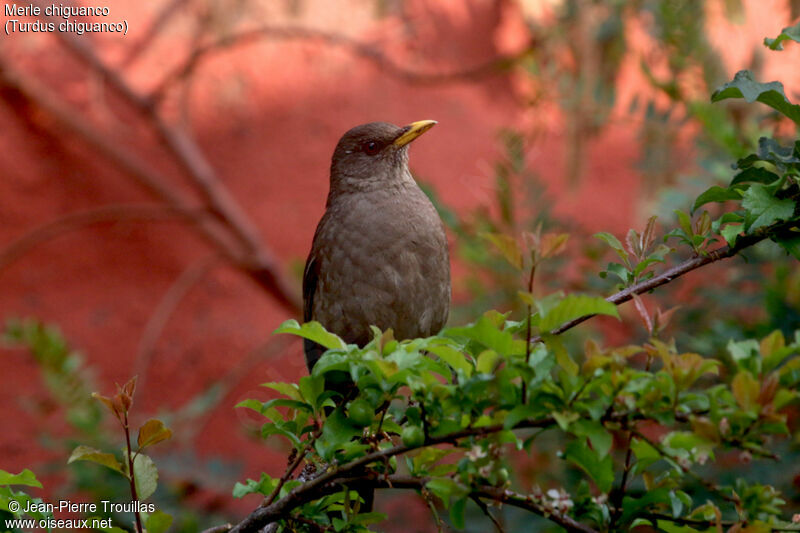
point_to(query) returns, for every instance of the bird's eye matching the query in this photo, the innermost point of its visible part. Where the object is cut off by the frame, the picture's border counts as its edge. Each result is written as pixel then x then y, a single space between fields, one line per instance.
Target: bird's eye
pixel 371 148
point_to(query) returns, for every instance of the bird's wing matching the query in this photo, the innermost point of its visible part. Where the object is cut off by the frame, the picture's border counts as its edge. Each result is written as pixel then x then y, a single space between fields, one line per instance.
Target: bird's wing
pixel 310 275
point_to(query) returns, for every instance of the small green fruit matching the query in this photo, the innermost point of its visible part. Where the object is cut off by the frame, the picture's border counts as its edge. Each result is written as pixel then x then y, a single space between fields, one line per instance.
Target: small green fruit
pixel 360 413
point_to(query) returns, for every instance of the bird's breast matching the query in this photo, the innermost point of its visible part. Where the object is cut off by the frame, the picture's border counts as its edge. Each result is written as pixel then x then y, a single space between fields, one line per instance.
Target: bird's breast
pixel 383 260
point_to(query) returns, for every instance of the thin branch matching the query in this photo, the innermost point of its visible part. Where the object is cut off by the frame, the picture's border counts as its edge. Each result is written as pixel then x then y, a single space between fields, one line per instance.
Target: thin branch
pixel 160 19
pixel 106 213
pixel 368 51
pixel 289 471
pixel 129 163
pixel 485 508
pixel 679 270
pixel 261 262
pixel 309 490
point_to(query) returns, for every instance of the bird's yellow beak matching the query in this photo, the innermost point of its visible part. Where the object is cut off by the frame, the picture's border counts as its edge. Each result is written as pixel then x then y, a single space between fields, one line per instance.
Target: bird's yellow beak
pixel 412 131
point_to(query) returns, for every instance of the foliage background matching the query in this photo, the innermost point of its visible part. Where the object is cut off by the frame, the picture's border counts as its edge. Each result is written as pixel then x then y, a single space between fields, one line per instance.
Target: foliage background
pixel 587 115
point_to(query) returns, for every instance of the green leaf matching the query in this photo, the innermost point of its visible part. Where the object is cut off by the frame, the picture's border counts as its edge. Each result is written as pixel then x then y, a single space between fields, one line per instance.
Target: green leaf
pixel 487 361
pixel 744 86
pixel 311 388
pixel 93 455
pixel 600 439
pixel 457 513
pixel 763 208
pixel 146 476
pixel 487 332
pixel 575 306
pixel 730 232
pixel 632 506
pixel 614 243
pixel 157 522
pixel 263 486
pixel 715 194
pixel 445 488
pixel 790 241
pixel 153 431
pixel 789 33
pixel 26 477
pixel 452 357
pixel 312 331
pixel 645 454
pixel 600 470
pixel 287 389
pixel 754 174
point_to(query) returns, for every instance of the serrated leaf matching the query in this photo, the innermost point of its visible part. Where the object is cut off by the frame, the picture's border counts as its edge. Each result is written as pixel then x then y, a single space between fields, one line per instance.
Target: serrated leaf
pixel 763 208
pixel 745 86
pixel 26 477
pixel 153 431
pixel 93 455
pixel 575 306
pixel 312 331
pixel 730 232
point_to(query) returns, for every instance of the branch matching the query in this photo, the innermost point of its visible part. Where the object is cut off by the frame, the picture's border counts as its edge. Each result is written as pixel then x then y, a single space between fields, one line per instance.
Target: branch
pixel 311 490
pixel 679 270
pixel 258 260
pixel 148 178
pixel 365 50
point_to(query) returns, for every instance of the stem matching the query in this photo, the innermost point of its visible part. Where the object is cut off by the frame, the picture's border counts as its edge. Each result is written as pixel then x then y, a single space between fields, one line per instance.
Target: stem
pixel 132 475
pixel 528 333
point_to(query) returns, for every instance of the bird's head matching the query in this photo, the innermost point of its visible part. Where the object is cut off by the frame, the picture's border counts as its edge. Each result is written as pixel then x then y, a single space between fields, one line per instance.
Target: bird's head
pixel 373 155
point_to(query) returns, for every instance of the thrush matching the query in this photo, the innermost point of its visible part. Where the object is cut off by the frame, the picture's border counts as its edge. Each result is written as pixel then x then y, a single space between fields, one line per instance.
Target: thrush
pixel 379 255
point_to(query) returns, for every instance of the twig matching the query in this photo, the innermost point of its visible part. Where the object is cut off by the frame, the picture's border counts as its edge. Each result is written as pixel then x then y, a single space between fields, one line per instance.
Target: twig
pixel 367 51
pixel 260 262
pixel 679 270
pixel 485 508
pixel 307 491
pixel 223 528
pixel 290 470
pixel 137 49
pixel 106 213
pixel 131 471
pixel 129 163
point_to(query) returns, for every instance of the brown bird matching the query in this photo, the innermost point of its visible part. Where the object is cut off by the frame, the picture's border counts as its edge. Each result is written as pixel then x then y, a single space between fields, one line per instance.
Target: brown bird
pixel 379 255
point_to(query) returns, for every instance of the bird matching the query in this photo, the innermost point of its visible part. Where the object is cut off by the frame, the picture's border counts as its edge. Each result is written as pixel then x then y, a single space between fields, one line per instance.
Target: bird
pixel 379 255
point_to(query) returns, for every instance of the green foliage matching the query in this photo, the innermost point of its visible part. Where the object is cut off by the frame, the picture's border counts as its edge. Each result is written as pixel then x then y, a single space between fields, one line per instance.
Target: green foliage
pixel 472 402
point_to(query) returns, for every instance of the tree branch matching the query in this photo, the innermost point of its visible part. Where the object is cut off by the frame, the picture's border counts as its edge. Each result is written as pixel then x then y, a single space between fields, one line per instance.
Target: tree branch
pixel 367 51
pixel 679 270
